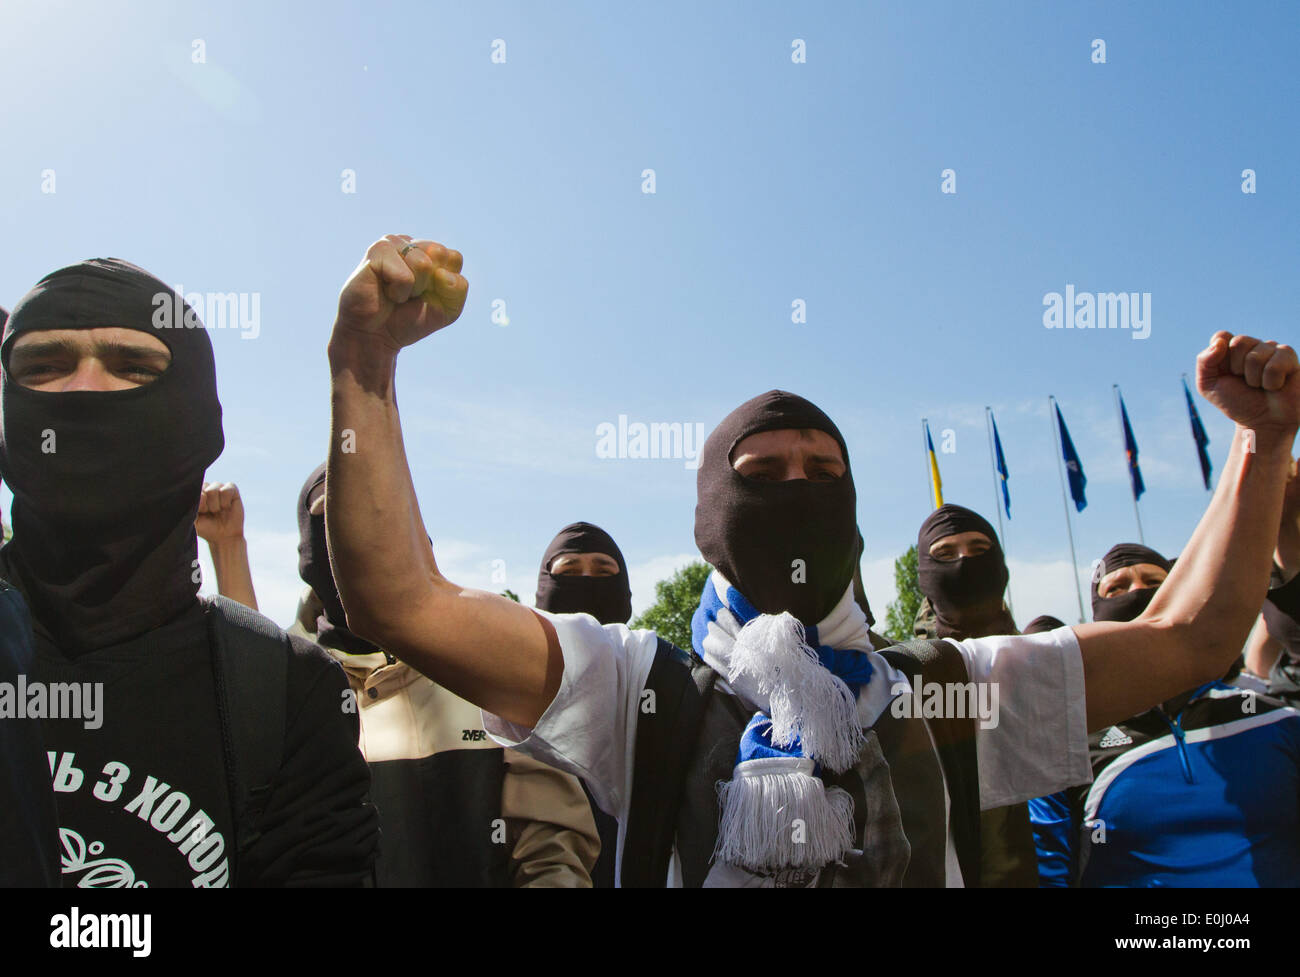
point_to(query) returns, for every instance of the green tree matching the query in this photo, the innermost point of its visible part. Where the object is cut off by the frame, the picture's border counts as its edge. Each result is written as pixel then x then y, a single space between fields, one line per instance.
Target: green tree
pixel 511 594
pixel 675 601
pixel 900 614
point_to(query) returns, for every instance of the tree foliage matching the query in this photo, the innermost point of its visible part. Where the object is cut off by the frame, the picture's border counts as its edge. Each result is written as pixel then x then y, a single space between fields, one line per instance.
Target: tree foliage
pixel 901 612
pixel 675 601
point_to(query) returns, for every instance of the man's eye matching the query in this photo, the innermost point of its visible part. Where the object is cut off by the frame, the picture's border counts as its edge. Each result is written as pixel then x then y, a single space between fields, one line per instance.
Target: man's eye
pixel 38 369
pixel 139 371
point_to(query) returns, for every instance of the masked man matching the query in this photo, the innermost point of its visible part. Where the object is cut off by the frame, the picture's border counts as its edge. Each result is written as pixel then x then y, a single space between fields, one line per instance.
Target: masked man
pixel 782 692
pixel 210 750
pixel 455 809
pixel 963 575
pixel 1197 791
pixel 583 572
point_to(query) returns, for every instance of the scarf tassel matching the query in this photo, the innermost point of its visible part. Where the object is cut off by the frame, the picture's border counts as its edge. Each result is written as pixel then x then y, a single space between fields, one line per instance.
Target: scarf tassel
pixel 777 815
pixel 807 702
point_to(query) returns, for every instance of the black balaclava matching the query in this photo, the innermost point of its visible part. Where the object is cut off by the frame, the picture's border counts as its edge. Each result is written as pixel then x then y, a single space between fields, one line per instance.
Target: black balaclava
pixel 1044 622
pixel 966 593
pixel 314 568
pixel 607 599
pixel 106 483
pixel 753 531
pixel 1126 606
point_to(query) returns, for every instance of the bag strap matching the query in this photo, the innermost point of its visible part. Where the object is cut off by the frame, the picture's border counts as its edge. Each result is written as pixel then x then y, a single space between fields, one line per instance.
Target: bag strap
pixel 668 724
pixel 250 661
pixel 937 660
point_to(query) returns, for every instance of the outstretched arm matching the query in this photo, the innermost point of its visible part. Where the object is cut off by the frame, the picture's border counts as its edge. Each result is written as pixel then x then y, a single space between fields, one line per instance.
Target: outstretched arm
pixel 483 647
pixel 1201 615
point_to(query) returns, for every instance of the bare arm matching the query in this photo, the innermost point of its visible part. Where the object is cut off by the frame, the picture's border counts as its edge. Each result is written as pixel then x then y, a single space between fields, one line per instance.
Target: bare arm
pixel 483 647
pixel 1287 554
pixel 221 523
pixel 1262 650
pixel 1201 615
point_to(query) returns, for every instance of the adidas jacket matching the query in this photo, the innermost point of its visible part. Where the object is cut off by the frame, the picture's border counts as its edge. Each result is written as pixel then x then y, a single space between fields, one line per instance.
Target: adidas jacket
pixel 1206 796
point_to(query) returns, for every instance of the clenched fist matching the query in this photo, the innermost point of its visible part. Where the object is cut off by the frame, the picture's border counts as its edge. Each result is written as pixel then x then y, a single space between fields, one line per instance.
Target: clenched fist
pixel 401 292
pixel 1255 383
pixel 221 513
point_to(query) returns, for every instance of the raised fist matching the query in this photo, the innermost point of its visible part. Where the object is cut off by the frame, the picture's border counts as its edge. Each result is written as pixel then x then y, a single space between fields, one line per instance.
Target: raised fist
pixel 401 292
pixel 1255 383
pixel 221 513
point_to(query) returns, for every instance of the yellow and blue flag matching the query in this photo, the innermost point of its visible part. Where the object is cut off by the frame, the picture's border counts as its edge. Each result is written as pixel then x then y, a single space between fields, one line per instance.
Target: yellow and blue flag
pixel 936 483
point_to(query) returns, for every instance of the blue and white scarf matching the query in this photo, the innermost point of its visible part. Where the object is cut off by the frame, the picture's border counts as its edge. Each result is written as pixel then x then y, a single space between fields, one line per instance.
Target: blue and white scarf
pixel 776 812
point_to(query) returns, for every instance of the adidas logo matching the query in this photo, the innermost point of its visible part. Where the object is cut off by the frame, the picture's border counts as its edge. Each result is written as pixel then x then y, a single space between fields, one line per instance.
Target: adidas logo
pixel 1114 737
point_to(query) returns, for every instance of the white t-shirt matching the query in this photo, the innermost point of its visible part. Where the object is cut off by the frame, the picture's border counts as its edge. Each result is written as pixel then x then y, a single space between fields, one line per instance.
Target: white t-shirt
pixel 1039 745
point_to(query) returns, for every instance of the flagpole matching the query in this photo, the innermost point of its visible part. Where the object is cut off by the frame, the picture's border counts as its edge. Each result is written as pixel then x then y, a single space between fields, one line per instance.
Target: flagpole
pixel 1060 462
pixel 997 498
pixel 1123 437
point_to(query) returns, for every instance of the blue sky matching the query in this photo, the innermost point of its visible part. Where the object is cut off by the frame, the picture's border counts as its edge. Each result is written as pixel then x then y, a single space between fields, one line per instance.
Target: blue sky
pixel 775 182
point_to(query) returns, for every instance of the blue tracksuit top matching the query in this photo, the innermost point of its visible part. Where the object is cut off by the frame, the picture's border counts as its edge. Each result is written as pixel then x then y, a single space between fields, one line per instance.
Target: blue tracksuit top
pixel 1209 796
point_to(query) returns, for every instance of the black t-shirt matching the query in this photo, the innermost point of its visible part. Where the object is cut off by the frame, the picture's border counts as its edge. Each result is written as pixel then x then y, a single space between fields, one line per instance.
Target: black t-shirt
pixel 142 799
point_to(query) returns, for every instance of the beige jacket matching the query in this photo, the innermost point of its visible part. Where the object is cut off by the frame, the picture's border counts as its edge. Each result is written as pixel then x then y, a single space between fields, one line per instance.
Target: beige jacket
pixel 405 715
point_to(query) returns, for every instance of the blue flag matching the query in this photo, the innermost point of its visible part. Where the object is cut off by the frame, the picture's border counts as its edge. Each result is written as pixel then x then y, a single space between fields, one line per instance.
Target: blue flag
pixel 1131 452
pixel 1001 462
pixel 1073 467
pixel 1198 435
